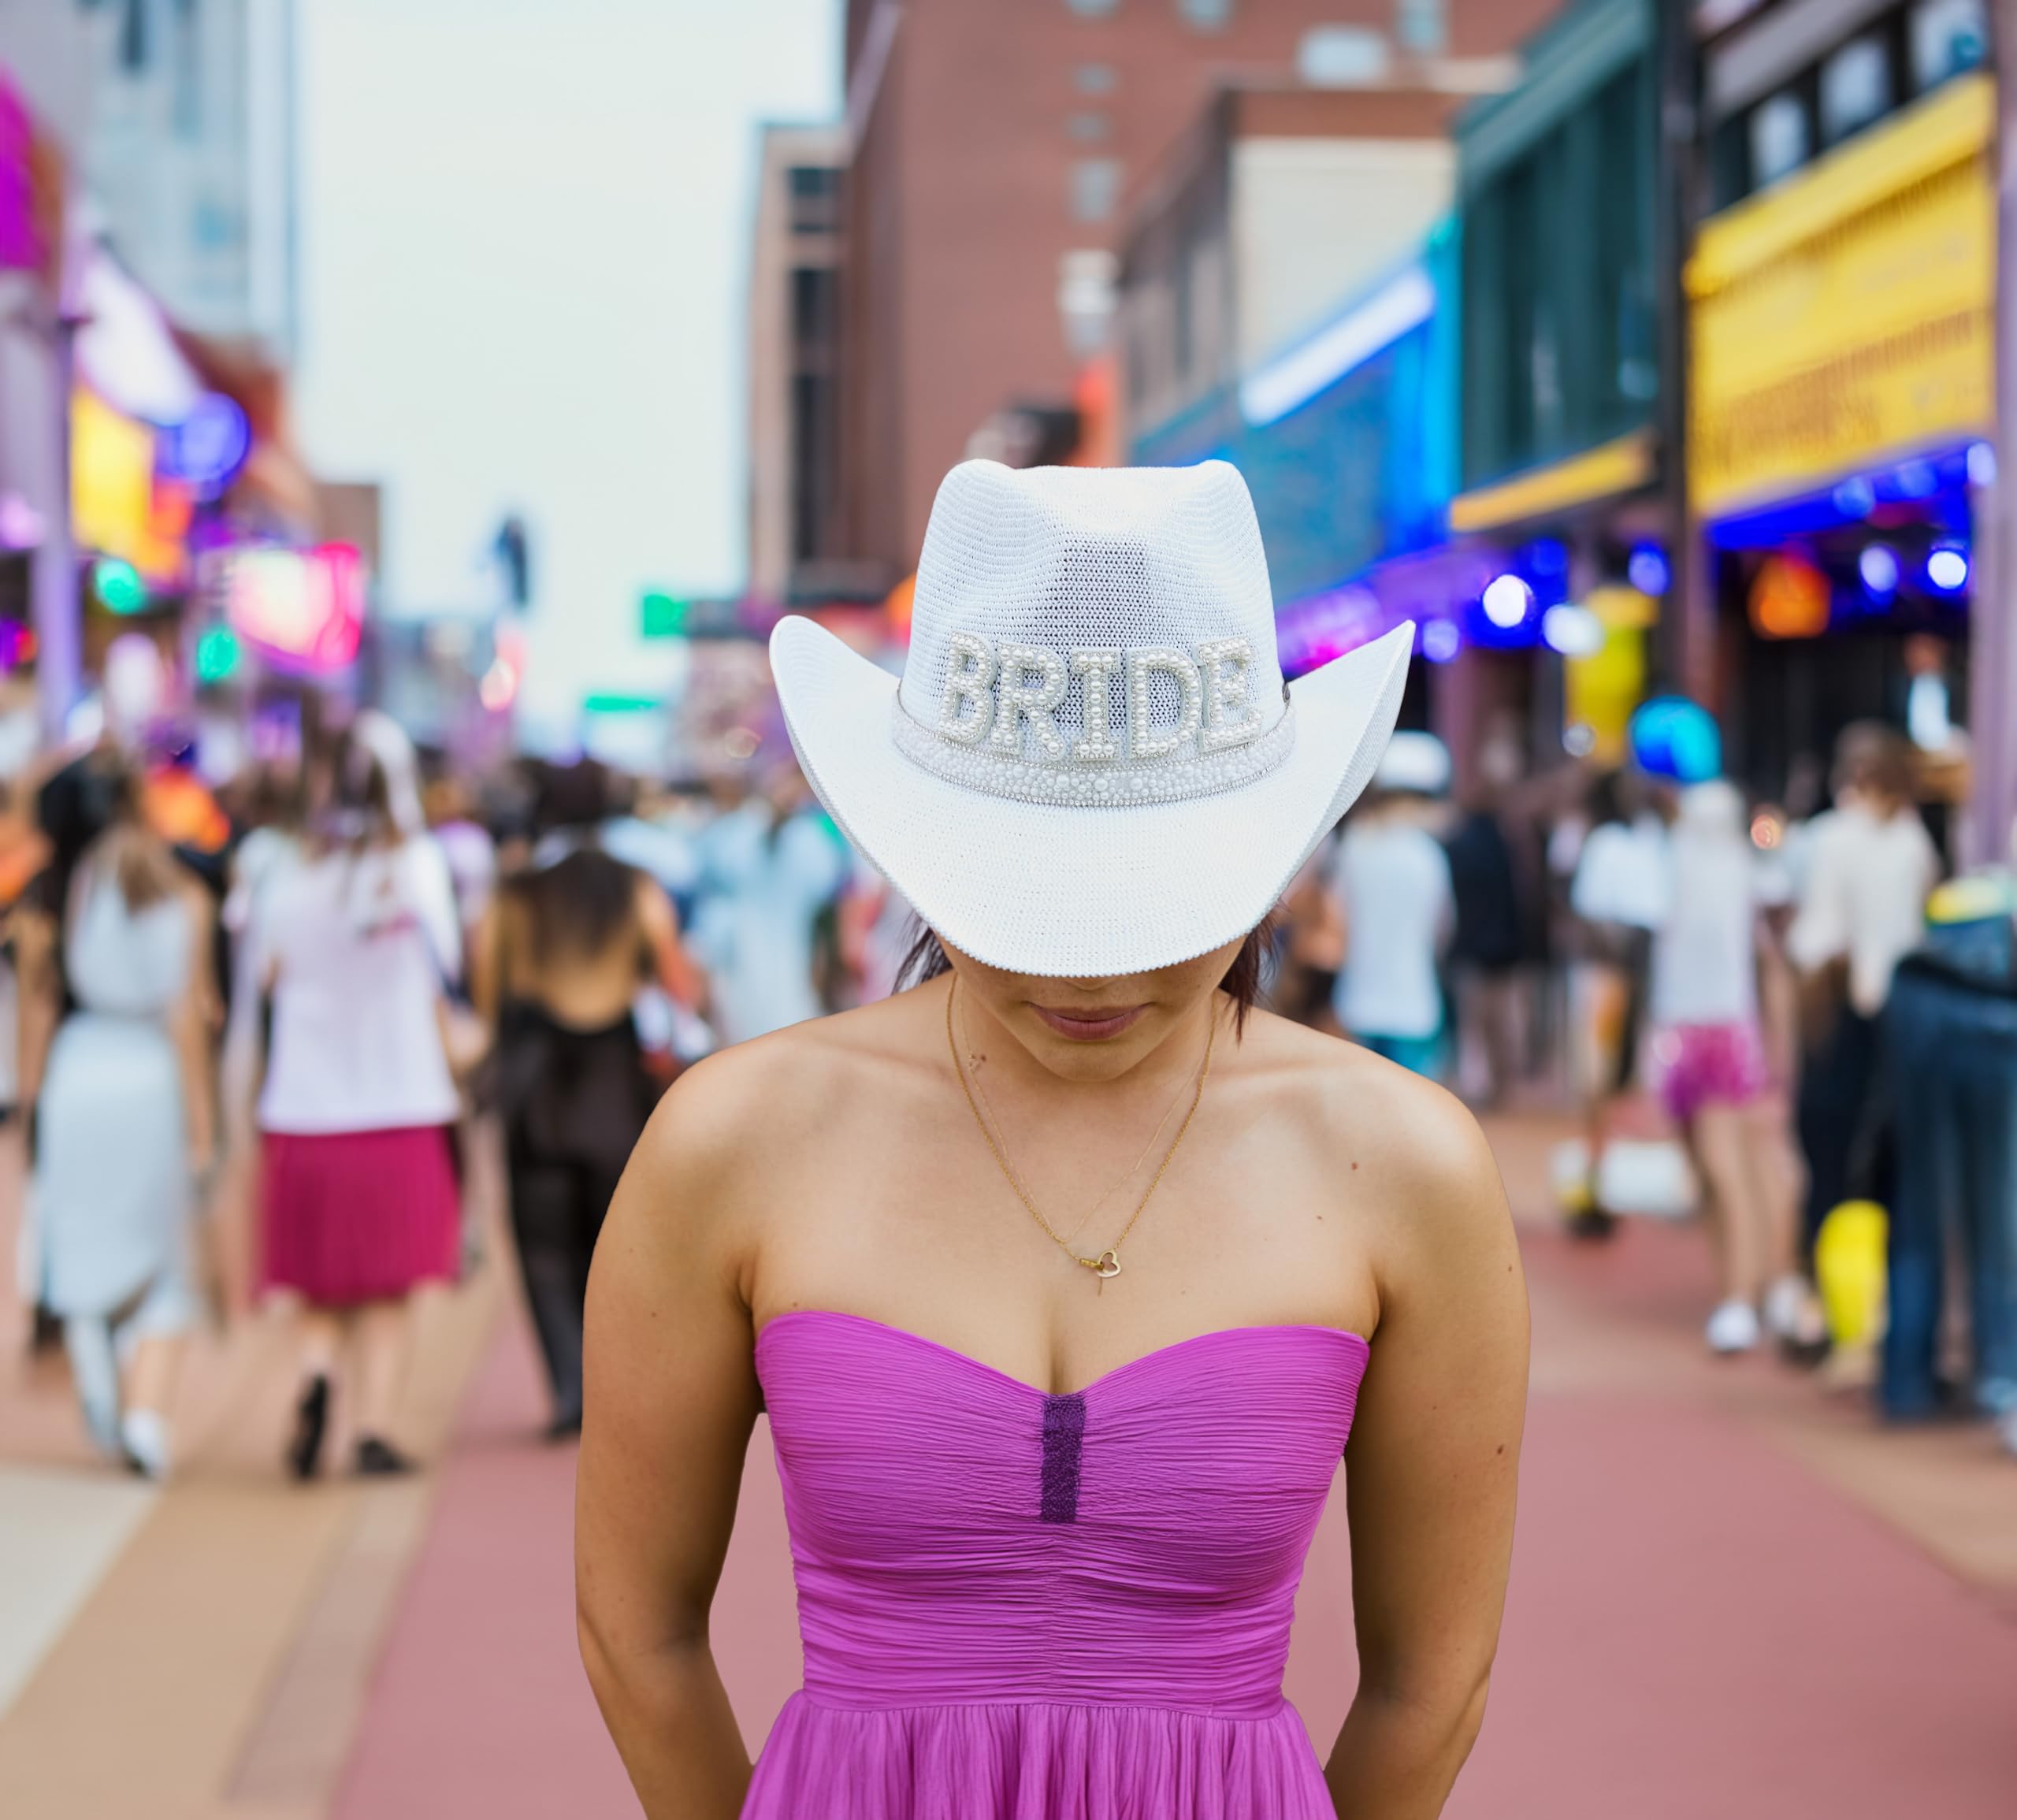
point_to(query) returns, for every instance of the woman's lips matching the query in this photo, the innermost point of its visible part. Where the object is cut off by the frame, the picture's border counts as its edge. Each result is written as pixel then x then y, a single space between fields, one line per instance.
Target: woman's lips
pixel 1089 1026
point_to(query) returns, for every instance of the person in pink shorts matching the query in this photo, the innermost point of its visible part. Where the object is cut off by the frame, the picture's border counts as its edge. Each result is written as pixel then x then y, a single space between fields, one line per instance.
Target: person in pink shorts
pixel 1711 1070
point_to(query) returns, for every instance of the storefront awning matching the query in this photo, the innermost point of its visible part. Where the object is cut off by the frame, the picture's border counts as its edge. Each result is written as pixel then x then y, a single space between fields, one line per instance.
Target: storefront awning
pixel 1622 466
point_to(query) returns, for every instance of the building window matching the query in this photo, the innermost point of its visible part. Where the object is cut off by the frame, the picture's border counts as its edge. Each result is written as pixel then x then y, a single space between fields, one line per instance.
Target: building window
pixel 815 296
pixel 1206 15
pixel 1087 128
pixel 1947 37
pixel 1343 56
pixel 1422 26
pixel 1855 87
pixel 1093 9
pixel 1095 189
pixel 1095 78
pixel 1780 141
pixel 814 462
pixel 814 191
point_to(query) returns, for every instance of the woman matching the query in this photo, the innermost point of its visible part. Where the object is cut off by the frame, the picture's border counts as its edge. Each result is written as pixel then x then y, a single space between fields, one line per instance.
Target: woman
pixel 357 1114
pixel 124 1120
pixel 1057 1400
pixel 563 954
pixel 1710 1062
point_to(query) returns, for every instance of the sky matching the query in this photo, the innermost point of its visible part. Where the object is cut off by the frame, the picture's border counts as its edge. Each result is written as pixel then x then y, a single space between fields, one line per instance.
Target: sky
pixel 524 229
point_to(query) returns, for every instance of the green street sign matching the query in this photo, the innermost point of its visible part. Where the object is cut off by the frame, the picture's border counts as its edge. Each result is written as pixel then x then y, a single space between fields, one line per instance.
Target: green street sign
pixel 664 616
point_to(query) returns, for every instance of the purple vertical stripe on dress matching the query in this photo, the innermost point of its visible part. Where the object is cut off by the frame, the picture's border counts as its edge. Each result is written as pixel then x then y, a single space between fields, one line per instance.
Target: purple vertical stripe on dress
pixel 1063 1435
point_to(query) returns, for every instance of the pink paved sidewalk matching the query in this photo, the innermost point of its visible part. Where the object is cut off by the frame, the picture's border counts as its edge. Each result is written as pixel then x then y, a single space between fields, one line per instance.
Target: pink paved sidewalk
pixel 480 1705
pixel 1697 1627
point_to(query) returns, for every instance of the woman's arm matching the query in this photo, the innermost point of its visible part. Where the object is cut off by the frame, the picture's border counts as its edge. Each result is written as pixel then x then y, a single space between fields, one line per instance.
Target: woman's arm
pixel 671 965
pixel 190 1023
pixel 39 996
pixel 671 1398
pixel 489 965
pixel 1431 1470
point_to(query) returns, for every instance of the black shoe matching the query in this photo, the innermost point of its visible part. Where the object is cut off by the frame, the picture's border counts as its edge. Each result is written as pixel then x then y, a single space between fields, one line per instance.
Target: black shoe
pixel 1592 1225
pixel 311 1422
pixel 377 1459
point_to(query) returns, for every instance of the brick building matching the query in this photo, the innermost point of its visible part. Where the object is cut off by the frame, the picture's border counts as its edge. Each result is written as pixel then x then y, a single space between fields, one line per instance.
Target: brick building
pixel 994 148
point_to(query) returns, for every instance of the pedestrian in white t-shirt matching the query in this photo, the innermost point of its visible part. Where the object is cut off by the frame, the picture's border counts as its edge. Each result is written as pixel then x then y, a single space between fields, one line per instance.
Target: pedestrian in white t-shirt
pixel 1391 879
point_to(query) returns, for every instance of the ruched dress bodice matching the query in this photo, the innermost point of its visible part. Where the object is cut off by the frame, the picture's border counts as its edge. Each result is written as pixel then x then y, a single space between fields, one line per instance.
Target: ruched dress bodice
pixel 1018 1606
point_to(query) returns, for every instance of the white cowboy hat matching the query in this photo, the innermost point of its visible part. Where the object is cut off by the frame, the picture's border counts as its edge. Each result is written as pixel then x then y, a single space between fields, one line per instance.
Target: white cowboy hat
pixel 1091 765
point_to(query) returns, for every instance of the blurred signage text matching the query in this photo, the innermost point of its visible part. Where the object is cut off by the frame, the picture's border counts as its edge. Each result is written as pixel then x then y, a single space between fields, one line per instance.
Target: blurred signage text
pixel 1848 314
pixel 306 606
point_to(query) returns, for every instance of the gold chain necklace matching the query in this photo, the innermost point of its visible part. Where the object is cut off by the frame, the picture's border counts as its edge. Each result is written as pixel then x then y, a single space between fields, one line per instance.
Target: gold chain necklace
pixel 1107 1264
pixel 993 1120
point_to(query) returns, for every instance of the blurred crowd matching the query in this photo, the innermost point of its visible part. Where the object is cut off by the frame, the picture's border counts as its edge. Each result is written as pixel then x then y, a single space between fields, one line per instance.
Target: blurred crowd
pixel 257 1033
pixel 257 1036
pixel 1728 989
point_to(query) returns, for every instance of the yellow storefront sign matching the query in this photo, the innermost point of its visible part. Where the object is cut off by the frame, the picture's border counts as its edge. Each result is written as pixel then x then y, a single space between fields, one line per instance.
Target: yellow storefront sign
pixel 117 508
pixel 1847 316
pixel 112 478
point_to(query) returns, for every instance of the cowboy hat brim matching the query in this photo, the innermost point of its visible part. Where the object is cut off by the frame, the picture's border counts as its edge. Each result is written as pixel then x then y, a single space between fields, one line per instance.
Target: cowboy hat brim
pixel 1072 892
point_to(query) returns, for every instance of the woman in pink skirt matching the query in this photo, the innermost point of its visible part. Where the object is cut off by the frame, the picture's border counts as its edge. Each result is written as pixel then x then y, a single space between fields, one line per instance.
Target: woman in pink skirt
pixel 358 1109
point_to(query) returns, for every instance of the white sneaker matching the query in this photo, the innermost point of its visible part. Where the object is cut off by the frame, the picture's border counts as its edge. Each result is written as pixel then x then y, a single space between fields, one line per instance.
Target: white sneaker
pixel 144 1435
pixel 1732 1328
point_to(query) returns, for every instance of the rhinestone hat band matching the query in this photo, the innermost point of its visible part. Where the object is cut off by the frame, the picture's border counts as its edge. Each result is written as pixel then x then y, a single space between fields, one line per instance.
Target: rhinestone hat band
pixel 996 732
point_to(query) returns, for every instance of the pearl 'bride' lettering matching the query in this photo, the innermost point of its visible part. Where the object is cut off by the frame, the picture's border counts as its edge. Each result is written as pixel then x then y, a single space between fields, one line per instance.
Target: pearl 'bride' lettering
pixel 992 693
pixel 1225 663
pixel 1095 668
pixel 1143 665
pixel 966 710
pixel 1017 699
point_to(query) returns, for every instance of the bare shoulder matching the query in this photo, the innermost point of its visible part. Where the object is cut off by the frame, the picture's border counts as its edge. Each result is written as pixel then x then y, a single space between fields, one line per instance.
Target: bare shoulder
pixel 652 904
pixel 736 1133
pixel 1413 1156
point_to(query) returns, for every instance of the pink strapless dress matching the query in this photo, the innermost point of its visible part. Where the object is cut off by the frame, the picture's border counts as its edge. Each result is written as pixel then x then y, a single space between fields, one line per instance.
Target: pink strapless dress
pixel 1022 1606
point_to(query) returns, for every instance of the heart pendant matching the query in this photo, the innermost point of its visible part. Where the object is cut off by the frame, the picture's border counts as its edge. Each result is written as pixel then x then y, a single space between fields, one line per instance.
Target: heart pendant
pixel 1106 1265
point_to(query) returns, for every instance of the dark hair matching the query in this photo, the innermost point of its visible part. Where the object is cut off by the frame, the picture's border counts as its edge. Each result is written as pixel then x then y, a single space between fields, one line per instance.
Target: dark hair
pixel 88 800
pixel 1607 799
pixel 926 958
pixel 1872 756
pixel 576 907
pixel 575 796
